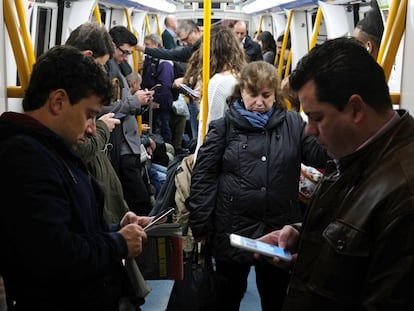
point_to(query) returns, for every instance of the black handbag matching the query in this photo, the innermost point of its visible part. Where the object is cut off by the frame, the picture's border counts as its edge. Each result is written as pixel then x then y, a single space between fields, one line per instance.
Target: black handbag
pixel 200 286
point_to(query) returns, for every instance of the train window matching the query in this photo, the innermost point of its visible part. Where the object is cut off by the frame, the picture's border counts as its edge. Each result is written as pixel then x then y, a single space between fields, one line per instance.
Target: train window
pixel 103 15
pixel 43 27
pixel 214 5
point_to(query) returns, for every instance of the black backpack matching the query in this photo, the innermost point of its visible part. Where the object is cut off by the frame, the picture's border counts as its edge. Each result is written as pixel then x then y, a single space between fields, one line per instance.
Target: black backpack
pixel 166 196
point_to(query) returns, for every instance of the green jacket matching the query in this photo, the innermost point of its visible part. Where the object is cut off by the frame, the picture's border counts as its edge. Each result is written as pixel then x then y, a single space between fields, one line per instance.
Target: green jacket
pixel 94 154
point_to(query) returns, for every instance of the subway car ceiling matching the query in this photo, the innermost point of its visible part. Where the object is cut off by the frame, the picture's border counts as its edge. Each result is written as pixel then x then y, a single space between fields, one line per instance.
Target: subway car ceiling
pixel 237 6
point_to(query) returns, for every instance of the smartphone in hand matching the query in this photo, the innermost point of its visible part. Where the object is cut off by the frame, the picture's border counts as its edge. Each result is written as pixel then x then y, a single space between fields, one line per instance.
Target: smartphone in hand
pixel 119 115
pixel 259 247
pixel 188 90
pixel 159 217
pixel 156 87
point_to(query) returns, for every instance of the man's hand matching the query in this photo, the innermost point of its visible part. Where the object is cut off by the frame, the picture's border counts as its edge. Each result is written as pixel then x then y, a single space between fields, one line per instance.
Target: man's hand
pixel 145 128
pixel 145 96
pixel 129 218
pixel 134 235
pixel 285 238
pixel 177 82
pixel 110 121
pixel 132 218
pixel 140 48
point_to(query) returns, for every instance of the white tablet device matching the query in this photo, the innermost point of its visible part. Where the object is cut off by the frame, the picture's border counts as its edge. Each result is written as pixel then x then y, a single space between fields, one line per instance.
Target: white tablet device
pixel 259 247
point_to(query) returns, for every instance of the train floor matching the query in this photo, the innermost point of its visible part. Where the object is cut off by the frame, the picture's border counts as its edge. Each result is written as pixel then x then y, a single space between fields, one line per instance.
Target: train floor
pixel 157 299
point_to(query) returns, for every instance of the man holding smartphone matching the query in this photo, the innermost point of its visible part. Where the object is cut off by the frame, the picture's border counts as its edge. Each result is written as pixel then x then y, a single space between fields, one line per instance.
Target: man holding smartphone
pixel 355 249
pixel 57 251
pixel 125 155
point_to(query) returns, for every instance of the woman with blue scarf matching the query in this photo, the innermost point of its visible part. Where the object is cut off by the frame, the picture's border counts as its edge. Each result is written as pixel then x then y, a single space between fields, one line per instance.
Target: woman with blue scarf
pixel 245 181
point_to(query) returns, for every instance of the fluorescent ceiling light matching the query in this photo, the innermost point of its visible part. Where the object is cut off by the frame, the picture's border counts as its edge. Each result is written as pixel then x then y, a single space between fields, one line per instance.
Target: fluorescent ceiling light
pixel 162 5
pixel 261 5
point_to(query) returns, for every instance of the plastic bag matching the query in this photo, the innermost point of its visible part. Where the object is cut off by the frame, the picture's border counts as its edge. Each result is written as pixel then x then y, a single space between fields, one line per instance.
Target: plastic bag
pixel 180 107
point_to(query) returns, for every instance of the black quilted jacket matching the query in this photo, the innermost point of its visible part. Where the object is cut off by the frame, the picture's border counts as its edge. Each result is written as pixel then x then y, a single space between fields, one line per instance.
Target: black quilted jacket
pixel 246 181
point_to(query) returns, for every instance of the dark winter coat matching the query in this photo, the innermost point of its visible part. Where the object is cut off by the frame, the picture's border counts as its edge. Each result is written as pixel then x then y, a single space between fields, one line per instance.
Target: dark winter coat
pixel 357 243
pixel 56 251
pixel 246 181
pixel 252 50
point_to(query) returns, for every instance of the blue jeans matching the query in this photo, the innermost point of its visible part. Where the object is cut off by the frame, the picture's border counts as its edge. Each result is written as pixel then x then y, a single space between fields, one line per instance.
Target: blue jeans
pixel 158 175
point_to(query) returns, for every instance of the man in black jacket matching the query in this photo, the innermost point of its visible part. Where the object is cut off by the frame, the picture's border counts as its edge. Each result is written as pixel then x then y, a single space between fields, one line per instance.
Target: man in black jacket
pixel 190 36
pixel 57 252
pixel 252 49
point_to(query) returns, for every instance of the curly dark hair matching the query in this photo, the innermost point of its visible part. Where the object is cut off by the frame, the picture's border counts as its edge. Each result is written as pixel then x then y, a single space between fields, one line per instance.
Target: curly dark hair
pixel 65 67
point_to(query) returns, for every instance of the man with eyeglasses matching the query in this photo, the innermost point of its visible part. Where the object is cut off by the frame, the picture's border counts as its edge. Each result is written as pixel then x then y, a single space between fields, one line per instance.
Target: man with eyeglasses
pixel 190 36
pixel 125 155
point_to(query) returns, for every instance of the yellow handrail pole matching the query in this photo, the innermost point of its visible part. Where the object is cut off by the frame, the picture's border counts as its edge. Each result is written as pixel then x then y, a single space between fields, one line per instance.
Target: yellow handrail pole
pixel 206 65
pixel 157 19
pixel 395 98
pixel 394 40
pixel 134 60
pixel 140 56
pixel 15 92
pixel 97 14
pixel 130 28
pixel 276 60
pixel 315 32
pixel 388 27
pixel 288 63
pixel 259 30
pixel 27 40
pixel 21 61
pixel 147 25
pixel 284 43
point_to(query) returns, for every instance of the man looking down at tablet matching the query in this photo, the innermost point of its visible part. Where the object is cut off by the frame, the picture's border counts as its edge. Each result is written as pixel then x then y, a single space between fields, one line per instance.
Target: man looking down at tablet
pixel 355 249
pixel 57 251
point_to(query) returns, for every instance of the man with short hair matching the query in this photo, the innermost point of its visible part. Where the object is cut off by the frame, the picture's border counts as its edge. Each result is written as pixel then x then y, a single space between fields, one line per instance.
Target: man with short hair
pixel 355 249
pixel 369 31
pixel 127 144
pixel 189 34
pixel 251 48
pixel 94 40
pixel 168 35
pixel 134 81
pixel 279 44
pixel 57 252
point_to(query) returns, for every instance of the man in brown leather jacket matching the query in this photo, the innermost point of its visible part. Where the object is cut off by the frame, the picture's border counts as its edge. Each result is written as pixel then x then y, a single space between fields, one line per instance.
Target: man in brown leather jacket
pixel 355 249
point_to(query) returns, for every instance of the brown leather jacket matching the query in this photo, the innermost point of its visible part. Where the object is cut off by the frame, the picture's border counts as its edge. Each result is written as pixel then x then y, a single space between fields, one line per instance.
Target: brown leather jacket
pixel 357 243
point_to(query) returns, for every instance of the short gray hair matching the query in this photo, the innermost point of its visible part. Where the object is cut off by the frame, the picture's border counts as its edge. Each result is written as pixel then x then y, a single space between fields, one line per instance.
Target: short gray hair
pixel 186 26
pixel 154 38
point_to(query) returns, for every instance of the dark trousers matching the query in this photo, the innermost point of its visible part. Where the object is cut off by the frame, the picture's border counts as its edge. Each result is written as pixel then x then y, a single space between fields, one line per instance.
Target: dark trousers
pixel 135 190
pixel 271 283
pixel 177 124
pixel 162 123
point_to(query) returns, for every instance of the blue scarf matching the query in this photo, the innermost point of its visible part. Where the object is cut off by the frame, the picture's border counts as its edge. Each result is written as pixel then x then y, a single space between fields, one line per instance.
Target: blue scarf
pixel 256 119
